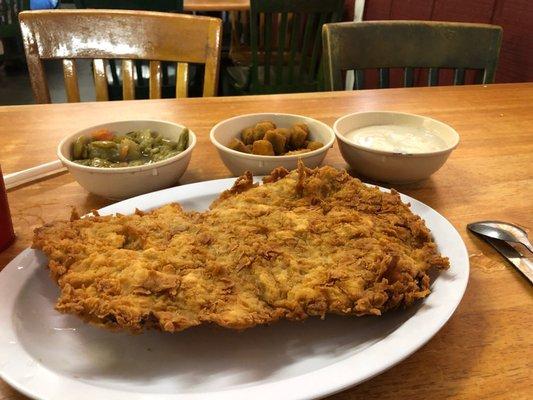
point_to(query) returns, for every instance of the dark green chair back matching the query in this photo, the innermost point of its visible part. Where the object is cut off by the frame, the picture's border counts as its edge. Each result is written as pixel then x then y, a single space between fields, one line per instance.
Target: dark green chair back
pixel 145 5
pixel 360 46
pixel 10 28
pixel 285 40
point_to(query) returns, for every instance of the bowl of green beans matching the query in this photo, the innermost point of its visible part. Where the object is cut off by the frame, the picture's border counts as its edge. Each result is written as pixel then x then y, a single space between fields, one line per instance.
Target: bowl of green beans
pixel 122 159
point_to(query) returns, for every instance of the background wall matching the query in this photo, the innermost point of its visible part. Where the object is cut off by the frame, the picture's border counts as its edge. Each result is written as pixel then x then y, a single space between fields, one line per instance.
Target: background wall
pixel 514 16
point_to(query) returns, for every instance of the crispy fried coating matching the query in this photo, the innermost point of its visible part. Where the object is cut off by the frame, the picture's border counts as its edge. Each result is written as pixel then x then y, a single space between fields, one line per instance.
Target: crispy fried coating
pixel 236 144
pixel 263 148
pixel 298 136
pixel 277 139
pixel 247 135
pixel 304 243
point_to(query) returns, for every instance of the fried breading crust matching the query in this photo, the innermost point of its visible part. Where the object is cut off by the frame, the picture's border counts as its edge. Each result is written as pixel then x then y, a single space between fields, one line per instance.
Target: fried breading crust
pixel 304 243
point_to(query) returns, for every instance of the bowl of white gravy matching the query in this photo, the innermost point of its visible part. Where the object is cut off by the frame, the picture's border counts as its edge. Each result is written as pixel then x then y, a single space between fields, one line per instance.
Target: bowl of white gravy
pixel 394 147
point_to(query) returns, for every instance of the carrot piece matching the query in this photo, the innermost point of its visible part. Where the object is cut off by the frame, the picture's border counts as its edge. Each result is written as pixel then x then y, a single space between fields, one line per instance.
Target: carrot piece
pixel 102 134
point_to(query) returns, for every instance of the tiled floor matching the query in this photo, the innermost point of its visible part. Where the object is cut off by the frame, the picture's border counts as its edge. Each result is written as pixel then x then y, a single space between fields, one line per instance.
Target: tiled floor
pixel 15 86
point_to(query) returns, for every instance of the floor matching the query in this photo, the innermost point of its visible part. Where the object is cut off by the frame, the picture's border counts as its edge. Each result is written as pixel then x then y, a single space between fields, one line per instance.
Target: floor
pixel 15 85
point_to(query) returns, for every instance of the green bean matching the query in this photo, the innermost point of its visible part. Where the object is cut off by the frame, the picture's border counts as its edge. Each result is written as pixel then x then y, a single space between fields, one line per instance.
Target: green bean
pixel 104 144
pixel 183 141
pixel 106 153
pixel 80 148
pixel 132 149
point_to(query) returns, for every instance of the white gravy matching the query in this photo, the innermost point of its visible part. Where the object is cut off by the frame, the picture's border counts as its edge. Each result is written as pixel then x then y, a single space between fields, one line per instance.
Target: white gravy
pixel 397 139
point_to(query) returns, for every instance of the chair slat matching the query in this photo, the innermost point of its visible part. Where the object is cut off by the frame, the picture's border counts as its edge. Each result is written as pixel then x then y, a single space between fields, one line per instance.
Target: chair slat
pixel 433 77
pixel 100 80
pixel 261 31
pixel 255 45
pixel 480 77
pixel 70 75
pixel 268 47
pixel 359 79
pixel 114 76
pixel 155 79
pixel 182 79
pixel 459 76
pixel 128 82
pixel 165 79
pixel 139 69
pixel 294 43
pixel 317 42
pixel 305 43
pixel 384 78
pixel 14 8
pixel 282 33
pixel 408 77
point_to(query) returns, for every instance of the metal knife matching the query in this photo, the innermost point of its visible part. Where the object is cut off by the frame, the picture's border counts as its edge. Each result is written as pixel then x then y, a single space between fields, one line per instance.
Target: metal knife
pixel 523 264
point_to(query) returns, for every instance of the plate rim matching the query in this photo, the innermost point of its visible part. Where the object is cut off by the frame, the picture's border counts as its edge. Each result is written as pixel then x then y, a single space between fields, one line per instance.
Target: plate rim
pixel 302 392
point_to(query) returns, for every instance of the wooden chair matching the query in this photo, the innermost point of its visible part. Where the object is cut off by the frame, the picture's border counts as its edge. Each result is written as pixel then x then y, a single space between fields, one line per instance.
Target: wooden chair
pixel 285 43
pixel 168 70
pixel 126 35
pixel 408 44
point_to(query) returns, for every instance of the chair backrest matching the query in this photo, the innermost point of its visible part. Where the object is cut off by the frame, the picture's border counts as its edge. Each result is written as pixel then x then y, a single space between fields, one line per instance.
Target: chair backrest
pixel 286 36
pixel 127 35
pixel 146 5
pixel 409 44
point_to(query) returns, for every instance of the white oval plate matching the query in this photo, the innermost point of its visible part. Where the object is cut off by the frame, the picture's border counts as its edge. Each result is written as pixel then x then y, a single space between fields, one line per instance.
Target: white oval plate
pixel 48 355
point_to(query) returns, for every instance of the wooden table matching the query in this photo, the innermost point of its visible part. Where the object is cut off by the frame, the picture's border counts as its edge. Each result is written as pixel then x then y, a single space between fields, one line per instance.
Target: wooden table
pixel 486 349
pixel 216 5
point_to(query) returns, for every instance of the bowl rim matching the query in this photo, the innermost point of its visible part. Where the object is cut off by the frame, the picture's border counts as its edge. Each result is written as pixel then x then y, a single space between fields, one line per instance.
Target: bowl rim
pixel 343 139
pixel 138 168
pixel 220 146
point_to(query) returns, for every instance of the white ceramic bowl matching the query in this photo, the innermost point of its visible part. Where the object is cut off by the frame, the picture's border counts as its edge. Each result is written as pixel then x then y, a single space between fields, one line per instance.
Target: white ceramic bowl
pixel 388 166
pixel 237 162
pixel 120 183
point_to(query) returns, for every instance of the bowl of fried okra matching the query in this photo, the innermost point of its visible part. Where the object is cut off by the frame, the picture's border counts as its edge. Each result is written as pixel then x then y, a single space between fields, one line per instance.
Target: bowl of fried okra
pixel 263 141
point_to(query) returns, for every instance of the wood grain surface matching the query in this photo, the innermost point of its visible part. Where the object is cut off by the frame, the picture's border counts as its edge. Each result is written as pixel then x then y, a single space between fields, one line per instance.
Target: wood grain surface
pixel 486 349
pixel 216 5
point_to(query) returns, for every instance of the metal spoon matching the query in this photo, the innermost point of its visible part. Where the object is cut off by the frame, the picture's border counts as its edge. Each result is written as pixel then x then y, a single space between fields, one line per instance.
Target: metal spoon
pixel 501 230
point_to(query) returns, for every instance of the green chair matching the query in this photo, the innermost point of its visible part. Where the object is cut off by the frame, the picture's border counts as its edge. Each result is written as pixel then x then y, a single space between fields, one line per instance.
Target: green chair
pixel 145 5
pixel 285 45
pixel 168 70
pixel 10 29
pixel 382 45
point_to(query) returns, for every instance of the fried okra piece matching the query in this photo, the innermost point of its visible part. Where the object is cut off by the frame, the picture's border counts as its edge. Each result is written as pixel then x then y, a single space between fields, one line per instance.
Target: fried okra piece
pixel 285 132
pixel 298 137
pixel 304 127
pixel 263 148
pixel 261 128
pixel 236 144
pixel 313 145
pixel 249 148
pixel 278 141
pixel 247 135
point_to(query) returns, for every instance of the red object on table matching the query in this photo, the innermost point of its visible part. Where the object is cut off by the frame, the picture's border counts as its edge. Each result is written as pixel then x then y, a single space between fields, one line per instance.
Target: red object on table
pixel 7 235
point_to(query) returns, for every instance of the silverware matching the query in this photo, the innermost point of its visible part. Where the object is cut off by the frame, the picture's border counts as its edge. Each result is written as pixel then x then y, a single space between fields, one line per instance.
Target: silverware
pixel 501 230
pixel 523 264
